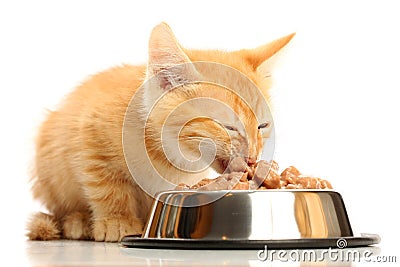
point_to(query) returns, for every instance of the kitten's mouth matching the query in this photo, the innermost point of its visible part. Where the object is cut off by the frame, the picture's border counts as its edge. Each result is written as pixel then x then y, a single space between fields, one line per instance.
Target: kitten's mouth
pixel 224 163
pixel 221 164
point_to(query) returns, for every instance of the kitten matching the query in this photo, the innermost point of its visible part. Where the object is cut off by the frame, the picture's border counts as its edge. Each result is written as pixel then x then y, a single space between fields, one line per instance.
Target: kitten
pixel 83 175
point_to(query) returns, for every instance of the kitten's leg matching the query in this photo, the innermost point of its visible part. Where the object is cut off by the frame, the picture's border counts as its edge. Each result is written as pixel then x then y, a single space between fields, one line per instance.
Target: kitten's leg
pixel 114 228
pixel 116 205
pixel 77 225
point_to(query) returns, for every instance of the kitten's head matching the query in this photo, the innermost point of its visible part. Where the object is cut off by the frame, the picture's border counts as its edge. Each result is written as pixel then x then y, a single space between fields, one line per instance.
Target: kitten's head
pixel 205 107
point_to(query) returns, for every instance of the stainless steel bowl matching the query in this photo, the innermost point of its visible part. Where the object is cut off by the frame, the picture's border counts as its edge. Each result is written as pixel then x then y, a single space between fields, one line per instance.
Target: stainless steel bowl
pixel 243 217
pixel 254 215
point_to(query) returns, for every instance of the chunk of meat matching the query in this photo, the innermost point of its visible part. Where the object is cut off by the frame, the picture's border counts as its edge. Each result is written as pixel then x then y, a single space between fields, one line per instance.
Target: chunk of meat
pixel 289 175
pixel 265 174
pixel 237 165
pixel 262 175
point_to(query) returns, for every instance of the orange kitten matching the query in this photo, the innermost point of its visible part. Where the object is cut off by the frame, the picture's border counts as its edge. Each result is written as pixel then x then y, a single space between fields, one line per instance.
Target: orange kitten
pixel 88 150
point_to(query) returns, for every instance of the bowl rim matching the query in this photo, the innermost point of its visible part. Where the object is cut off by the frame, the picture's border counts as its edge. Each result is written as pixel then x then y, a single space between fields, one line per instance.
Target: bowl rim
pixel 213 244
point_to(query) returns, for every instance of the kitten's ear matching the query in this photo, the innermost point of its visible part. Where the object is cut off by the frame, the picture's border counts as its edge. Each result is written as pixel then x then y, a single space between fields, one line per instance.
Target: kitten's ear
pixel 167 61
pixel 264 57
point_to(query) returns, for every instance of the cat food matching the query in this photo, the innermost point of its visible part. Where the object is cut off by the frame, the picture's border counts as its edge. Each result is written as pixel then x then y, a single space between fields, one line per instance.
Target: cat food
pixel 262 175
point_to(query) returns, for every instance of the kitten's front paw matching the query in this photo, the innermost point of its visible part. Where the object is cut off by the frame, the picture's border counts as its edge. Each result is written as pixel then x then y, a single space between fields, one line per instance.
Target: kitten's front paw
pixel 114 229
pixel 77 226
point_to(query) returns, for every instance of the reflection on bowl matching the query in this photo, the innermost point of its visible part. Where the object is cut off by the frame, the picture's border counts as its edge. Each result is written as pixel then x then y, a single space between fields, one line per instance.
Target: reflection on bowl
pixel 248 215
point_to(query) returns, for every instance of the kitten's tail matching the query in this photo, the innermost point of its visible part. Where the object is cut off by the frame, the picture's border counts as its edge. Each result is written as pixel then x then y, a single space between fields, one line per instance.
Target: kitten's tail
pixel 42 226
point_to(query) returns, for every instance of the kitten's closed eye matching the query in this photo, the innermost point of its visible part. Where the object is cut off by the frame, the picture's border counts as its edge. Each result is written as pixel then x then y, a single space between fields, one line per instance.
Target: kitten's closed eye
pixel 230 128
pixel 264 125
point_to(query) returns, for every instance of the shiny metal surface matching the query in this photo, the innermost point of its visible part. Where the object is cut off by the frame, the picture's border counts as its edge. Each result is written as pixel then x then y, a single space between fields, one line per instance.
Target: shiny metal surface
pixel 248 215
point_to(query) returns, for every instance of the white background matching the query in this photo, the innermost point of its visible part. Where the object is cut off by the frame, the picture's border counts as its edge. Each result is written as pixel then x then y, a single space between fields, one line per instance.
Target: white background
pixel 336 95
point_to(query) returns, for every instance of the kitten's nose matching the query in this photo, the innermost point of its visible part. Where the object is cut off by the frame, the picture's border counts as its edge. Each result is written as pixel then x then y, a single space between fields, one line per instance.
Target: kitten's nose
pixel 251 160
